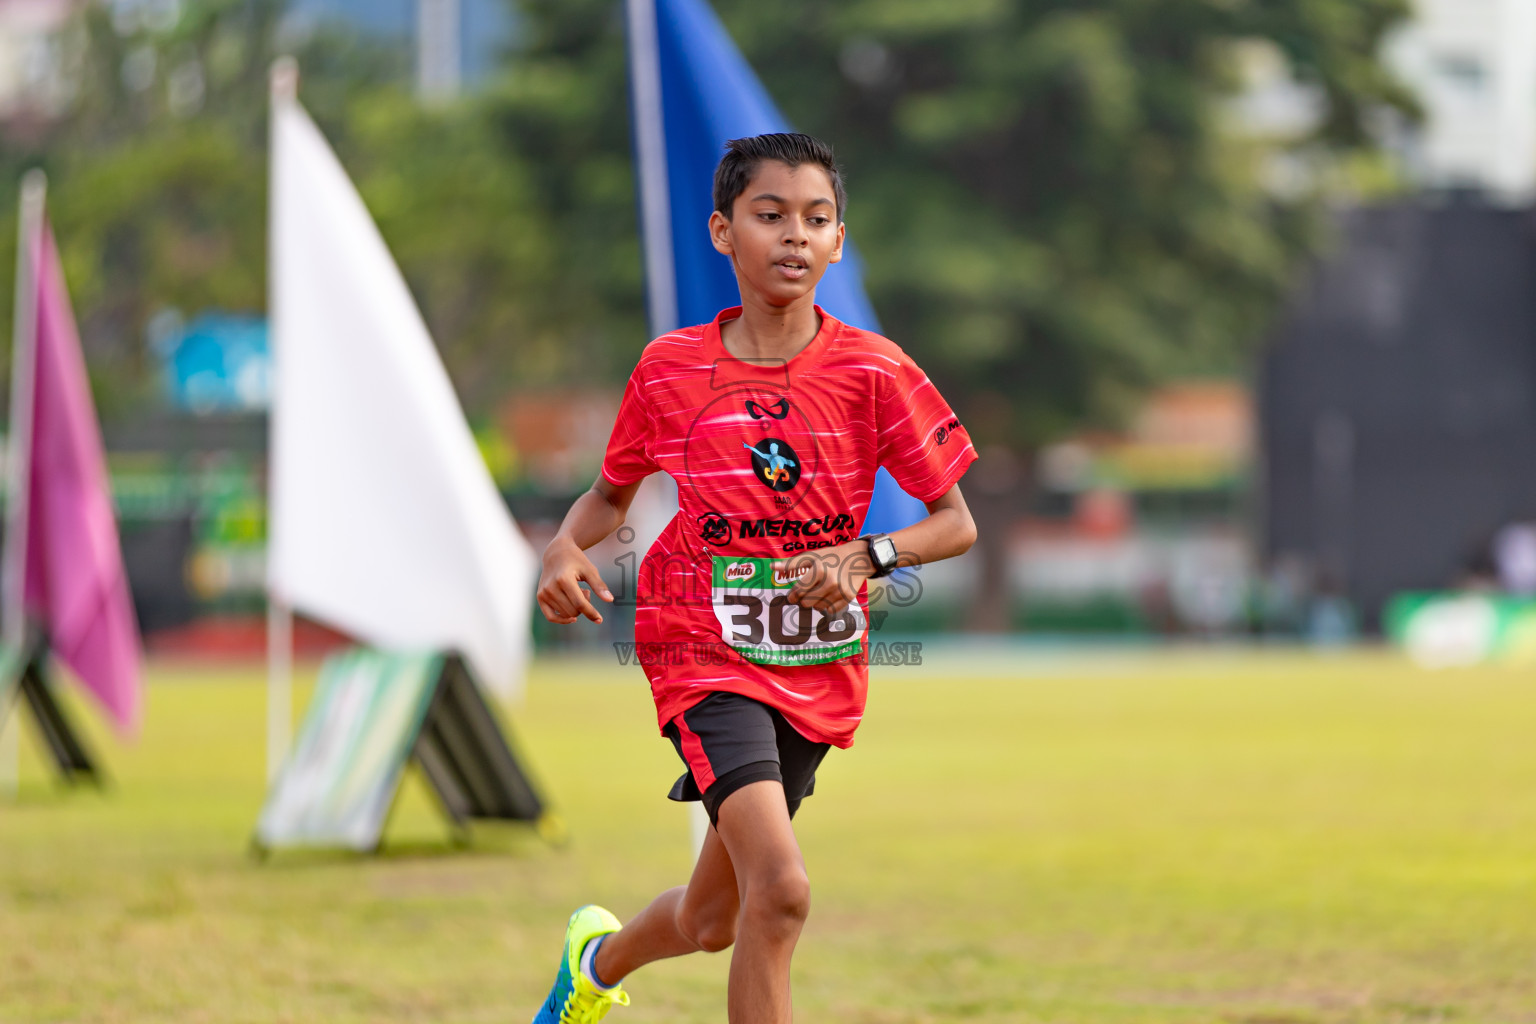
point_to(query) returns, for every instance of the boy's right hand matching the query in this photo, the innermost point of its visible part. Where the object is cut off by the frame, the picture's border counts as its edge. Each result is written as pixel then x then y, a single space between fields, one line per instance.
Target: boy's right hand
pixel 560 596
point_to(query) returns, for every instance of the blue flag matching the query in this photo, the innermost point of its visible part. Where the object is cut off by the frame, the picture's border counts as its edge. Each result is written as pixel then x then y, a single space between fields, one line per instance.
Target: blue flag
pixel 691 92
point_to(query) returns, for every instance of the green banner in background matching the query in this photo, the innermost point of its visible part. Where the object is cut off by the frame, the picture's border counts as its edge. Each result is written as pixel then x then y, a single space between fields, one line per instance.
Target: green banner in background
pixel 1447 630
pixel 338 784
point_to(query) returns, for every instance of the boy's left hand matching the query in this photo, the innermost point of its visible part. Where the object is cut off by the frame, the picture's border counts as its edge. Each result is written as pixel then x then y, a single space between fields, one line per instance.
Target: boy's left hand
pixel 834 576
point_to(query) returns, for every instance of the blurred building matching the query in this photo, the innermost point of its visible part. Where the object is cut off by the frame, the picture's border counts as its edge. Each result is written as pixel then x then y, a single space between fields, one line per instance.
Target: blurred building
pixel 1473 65
pixel 1398 398
pixel 1398 403
pixel 32 82
pixel 558 438
pixel 1146 530
pixel 454 42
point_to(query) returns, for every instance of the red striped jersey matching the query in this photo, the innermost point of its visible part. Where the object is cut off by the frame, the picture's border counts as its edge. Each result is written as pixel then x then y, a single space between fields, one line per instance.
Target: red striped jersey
pixel 771 459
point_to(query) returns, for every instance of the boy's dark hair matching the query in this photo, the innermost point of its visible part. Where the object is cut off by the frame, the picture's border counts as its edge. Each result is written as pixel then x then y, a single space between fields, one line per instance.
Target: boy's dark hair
pixel 743 156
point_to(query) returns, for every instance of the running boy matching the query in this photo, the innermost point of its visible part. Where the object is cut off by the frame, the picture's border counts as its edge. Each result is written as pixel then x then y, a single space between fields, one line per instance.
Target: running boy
pixel 752 609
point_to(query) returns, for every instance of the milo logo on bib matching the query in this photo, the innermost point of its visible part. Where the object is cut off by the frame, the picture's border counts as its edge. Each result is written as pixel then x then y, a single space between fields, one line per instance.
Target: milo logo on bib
pixel 783 578
pixel 758 619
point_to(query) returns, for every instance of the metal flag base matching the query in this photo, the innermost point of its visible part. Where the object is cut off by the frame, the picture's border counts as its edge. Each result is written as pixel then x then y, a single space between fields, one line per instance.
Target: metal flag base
pixel 24 682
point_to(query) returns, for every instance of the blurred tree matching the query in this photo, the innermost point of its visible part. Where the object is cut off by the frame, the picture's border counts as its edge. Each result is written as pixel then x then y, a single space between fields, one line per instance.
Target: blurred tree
pixel 562 101
pixel 157 171
pixel 158 191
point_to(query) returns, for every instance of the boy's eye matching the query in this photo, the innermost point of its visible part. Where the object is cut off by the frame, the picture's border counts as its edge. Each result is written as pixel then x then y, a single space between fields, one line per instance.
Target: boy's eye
pixel 769 215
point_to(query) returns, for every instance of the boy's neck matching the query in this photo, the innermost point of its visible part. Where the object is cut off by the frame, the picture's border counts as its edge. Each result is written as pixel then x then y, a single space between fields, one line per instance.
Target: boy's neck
pixel 771 332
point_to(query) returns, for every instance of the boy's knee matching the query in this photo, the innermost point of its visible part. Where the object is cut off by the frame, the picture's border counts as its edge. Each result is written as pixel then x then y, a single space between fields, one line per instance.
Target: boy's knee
pixel 784 895
pixel 716 935
pixel 709 929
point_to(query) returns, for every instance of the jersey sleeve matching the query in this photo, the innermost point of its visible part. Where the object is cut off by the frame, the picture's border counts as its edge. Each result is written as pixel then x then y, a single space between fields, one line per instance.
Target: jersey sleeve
pixel 922 442
pixel 628 456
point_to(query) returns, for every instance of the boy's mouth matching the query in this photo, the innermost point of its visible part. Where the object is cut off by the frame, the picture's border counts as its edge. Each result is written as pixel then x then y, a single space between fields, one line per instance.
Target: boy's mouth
pixel 794 267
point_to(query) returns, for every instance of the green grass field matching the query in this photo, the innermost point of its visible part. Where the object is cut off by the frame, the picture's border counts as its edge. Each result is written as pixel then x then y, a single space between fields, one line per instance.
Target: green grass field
pixel 1253 838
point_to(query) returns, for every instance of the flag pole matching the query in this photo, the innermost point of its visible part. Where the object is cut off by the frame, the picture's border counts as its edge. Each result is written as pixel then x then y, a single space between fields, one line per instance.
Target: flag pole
pixel 279 684
pixel 655 218
pixel 285 90
pixel 13 580
pixel 651 165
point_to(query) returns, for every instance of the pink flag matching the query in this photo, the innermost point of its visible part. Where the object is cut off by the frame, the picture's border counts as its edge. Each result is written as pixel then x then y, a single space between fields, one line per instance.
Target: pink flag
pixel 76 586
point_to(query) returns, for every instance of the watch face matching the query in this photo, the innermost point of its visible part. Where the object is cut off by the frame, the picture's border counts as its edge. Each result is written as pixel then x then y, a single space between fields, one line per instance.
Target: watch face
pixel 885 552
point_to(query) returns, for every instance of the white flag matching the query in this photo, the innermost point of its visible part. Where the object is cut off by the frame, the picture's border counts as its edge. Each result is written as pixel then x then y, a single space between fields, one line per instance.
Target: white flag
pixel 384 521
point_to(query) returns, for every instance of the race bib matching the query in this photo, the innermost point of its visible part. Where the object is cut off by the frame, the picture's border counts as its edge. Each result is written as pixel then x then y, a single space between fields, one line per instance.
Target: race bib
pixel 759 620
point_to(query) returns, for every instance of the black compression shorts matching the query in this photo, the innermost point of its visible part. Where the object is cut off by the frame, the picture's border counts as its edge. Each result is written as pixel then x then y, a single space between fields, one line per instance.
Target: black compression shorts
pixel 728 741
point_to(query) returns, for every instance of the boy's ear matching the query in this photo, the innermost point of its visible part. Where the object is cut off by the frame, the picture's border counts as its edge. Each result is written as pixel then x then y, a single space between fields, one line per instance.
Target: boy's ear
pixel 837 250
pixel 720 234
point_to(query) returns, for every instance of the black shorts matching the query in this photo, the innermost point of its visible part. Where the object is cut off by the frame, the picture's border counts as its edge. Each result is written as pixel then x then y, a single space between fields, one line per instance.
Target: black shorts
pixel 728 741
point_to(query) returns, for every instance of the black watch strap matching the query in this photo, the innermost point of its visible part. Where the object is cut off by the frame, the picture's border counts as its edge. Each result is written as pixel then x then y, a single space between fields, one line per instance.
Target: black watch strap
pixel 882 568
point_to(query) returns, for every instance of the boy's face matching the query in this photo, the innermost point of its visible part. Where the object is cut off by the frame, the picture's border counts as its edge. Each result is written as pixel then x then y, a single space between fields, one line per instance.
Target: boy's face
pixel 783 232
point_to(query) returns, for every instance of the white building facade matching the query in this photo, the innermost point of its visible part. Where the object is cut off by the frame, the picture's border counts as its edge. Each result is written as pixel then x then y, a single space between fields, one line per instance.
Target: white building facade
pixel 1473 66
pixel 31 82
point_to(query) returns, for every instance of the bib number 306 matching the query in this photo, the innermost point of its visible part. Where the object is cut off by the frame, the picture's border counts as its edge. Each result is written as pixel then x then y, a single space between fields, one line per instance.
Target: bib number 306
pixel 758 619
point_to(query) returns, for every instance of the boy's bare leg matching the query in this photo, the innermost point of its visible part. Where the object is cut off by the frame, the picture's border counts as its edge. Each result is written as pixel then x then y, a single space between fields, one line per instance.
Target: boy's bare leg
pixel 750 887
pixel 692 918
pixel 775 899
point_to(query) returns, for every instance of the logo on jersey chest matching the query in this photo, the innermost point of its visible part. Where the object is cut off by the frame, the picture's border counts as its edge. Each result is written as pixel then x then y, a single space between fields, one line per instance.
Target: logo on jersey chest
pixel 778 410
pixel 794 534
pixel 822 526
pixel 715 529
pixel 774 463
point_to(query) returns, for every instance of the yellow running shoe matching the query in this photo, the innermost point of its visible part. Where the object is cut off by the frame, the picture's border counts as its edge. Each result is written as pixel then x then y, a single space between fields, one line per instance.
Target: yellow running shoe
pixel 574 999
